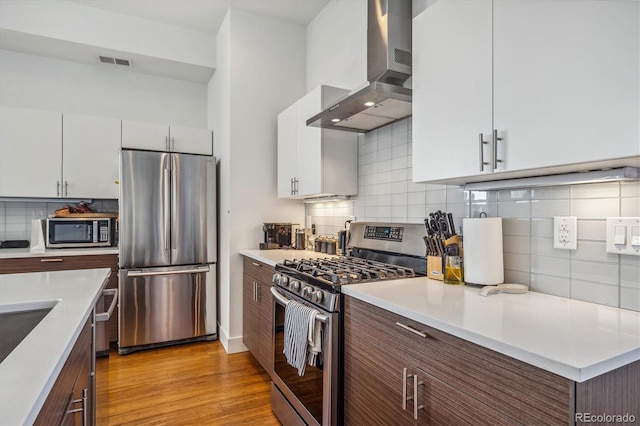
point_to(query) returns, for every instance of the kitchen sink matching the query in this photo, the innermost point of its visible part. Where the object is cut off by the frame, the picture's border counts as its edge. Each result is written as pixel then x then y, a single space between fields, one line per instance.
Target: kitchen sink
pixel 18 320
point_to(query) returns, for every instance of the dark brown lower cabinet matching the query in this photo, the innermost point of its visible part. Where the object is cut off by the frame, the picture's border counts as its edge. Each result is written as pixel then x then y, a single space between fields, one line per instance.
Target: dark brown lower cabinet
pixel 71 401
pixel 257 305
pixel 400 372
pixel 67 263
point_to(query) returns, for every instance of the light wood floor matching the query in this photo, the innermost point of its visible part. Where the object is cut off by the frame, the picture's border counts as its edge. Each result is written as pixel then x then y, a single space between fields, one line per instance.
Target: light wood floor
pixel 190 384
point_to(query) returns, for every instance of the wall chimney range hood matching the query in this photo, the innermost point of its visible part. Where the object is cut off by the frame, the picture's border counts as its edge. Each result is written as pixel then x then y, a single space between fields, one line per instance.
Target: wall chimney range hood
pixel 384 100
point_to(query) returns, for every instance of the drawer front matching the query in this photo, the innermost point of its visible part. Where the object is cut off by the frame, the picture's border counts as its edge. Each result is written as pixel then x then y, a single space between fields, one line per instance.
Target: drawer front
pixel 521 391
pixel 258 270
pixel 58 263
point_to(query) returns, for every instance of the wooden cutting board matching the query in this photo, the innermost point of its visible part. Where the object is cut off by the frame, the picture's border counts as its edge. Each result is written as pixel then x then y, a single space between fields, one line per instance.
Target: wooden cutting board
pixel 87 215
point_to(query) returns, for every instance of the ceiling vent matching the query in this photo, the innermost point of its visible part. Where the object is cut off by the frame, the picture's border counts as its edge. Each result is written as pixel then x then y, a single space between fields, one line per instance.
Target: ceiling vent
pixel 115 61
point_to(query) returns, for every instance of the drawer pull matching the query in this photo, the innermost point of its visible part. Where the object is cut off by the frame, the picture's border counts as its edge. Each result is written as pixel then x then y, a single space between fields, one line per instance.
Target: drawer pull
pixel 404 388
pixel 413 330
pixel 51 260
pixel 416 407
pixel 256 264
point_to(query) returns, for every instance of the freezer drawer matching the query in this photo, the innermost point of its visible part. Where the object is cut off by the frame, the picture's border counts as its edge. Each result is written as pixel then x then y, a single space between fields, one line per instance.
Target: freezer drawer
pixel 160 306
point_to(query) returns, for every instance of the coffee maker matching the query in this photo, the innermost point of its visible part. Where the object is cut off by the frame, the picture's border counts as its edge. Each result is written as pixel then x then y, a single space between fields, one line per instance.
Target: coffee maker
pixel 278 236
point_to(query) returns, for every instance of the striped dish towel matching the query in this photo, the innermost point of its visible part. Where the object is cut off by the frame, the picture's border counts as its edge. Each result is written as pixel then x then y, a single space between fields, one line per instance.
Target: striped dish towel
pixel 297 319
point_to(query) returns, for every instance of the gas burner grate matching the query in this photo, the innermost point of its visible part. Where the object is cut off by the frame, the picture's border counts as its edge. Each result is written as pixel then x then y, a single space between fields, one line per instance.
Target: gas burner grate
pixel 348 270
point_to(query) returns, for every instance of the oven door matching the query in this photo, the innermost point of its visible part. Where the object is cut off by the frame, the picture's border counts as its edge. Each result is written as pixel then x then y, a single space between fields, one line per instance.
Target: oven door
pixel 314 396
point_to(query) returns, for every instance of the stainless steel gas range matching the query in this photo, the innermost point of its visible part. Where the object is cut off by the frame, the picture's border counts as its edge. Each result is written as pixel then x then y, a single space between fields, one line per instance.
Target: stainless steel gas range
pixel 378 251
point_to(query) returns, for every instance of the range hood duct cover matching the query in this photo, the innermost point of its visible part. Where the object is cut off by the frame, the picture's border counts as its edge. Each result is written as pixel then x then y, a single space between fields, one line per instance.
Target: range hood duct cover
pixel 388 67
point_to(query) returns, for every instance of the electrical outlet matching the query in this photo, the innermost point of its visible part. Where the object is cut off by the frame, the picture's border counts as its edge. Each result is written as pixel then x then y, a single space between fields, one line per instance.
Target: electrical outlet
pixel 565 232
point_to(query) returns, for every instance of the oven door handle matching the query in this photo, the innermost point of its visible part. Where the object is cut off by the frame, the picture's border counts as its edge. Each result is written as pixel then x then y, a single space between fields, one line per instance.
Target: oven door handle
pixel 283 301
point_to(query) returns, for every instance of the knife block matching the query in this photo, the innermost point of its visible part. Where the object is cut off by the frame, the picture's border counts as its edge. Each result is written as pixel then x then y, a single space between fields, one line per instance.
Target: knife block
pixel 434 268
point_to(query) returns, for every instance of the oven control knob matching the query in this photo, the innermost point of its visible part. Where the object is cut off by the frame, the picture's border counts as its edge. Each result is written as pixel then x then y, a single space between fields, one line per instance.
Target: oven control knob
pixel 284 281
pixel 306 292
pixel 275 279
pixel 318 296
pixel 294 285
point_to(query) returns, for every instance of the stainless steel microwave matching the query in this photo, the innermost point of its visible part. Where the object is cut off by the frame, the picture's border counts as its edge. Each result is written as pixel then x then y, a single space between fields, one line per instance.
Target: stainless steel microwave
pixel 79 232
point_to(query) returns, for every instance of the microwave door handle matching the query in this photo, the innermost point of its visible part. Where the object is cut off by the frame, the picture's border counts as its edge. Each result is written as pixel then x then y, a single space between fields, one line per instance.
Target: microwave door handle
pixel 280 299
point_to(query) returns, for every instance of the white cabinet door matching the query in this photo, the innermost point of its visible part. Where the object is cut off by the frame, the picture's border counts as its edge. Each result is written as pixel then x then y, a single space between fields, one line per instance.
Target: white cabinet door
pixel 320 162
pixel 90 161
pixel 565 81
pixel 452 89
pixel 30 153
pixel 150 136
pixel 191 140
pixel 309 155
pixel 287 150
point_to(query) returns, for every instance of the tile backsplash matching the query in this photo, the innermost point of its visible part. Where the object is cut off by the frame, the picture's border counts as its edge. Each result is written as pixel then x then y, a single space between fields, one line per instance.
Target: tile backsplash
pixel 386 193
pixel 16 216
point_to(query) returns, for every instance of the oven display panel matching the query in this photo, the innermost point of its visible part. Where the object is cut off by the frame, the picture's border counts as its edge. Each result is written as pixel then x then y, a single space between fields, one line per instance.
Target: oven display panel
pixel 387 233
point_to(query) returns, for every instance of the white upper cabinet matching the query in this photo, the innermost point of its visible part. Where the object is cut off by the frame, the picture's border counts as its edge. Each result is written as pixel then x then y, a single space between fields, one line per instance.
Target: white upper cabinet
pixel 287 150
pixel 451 89
pixel 315 162
pixel 162 137
pixel 552 86
pixel 566 81
pixel 191 140
pixel 91 152
pixel 30 153
pixel 46 154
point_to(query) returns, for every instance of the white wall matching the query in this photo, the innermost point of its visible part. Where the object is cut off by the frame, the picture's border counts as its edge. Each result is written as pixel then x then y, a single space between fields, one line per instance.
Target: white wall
pixel 261 71
pixel 75 23
pixel 337 45
pixel 218 115
pixel 37 82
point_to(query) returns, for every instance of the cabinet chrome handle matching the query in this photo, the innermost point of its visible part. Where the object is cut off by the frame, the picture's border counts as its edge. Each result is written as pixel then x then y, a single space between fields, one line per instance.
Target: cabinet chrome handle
pixel 256 264
pixel 82 409
pixel 413 330
pixel 257 284
pixel 57 188
pixel 482 143
pixel 415 396
pixel 104 316
pixel 173 143
pixel 52 260
pixel 66 188
pixel 404 388
pixel 495 149
pixel 166 142
pixel 296 182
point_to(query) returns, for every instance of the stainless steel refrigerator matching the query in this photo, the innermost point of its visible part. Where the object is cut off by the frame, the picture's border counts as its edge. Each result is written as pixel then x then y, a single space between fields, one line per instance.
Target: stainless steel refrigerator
pixel 167 247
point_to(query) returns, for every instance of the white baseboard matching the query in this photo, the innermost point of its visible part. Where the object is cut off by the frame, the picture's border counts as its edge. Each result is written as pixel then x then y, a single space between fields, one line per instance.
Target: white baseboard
pixel 231 345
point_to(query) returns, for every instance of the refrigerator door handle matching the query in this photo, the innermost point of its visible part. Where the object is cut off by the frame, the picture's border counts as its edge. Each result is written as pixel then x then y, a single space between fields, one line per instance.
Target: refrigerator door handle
pixel 174 208
pixel 197 270
pixel 166 212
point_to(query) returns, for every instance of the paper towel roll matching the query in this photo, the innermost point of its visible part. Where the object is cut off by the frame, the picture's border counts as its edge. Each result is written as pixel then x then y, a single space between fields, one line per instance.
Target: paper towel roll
pixel 482 244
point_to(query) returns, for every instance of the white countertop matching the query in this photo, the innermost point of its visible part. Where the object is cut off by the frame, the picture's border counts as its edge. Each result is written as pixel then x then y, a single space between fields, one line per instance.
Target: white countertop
pixel 571 338
pixel 271 257
pixel 29 372
pixel 26 252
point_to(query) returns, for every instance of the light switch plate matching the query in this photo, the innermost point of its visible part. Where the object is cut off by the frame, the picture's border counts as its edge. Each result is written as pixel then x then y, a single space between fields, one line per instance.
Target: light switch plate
pixel 565 232
pixel 623 235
